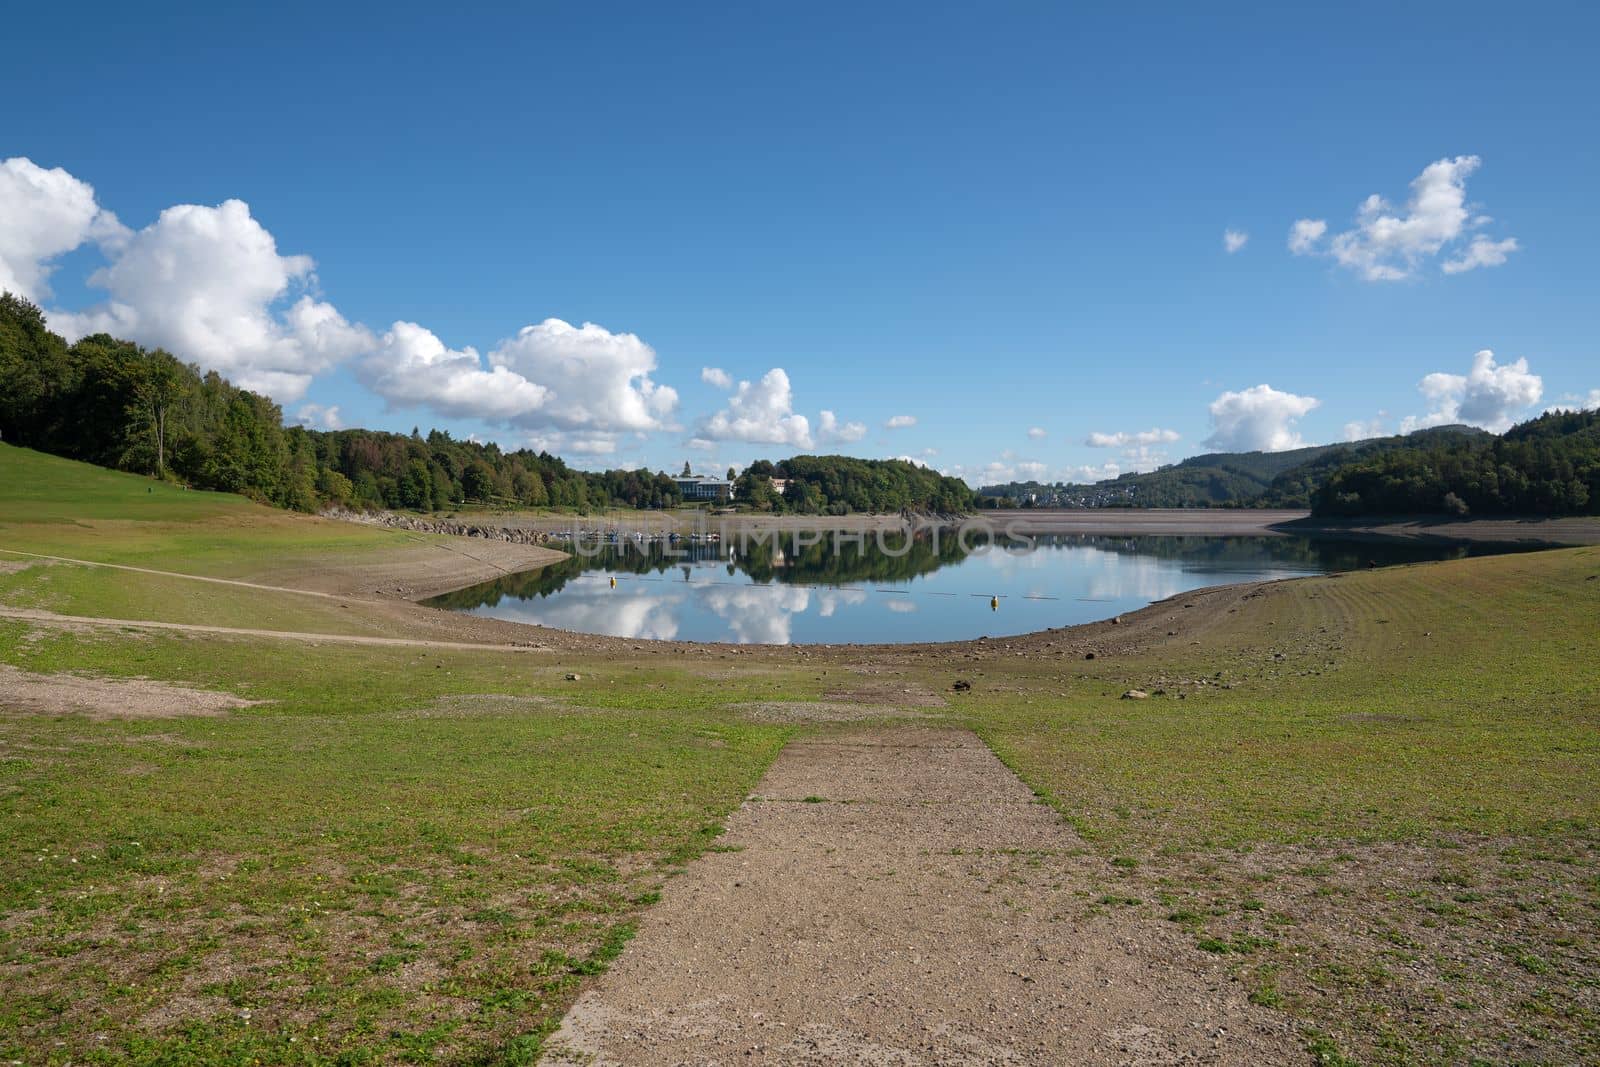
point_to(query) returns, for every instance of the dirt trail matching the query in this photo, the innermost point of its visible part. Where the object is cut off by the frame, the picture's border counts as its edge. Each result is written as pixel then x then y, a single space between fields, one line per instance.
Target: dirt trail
pixel 50 618
pixel 169 574
pixel 926 910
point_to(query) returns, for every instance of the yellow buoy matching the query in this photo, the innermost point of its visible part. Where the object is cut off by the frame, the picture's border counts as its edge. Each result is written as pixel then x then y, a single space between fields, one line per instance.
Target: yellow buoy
pixel 994 603
pixel 613 582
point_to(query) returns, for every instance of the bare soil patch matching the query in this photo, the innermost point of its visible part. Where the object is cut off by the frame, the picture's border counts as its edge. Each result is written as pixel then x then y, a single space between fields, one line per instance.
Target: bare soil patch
pixel 896 896
pixel 821 711
pixel 108 698
pixel 428 568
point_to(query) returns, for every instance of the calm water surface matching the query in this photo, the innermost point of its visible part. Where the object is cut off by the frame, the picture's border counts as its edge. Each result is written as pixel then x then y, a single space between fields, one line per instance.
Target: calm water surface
pixel 929 590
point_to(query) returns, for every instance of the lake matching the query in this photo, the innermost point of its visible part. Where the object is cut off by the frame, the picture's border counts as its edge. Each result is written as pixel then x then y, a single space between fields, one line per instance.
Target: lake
pixel 926 588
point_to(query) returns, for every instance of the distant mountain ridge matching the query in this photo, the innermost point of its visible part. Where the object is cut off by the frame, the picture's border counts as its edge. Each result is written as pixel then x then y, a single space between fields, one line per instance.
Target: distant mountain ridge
pixel 1286 479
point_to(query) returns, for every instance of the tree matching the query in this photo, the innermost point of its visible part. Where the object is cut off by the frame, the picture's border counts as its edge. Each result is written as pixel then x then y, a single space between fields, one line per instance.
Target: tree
pixel 688 472
pixel 334 487
pixel 732 474
pixel 156 390
pixel 477 481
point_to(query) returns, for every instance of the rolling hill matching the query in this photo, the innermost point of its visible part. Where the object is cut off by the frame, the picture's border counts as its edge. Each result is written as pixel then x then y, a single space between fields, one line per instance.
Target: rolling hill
pixel 1228 479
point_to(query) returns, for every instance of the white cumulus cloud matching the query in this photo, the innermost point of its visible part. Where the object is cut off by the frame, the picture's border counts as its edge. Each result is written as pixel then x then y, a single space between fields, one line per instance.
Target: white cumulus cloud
pixel 900 422
pixel 1258 419
pixel 550 377
pixel 761 412
pixel 597 380
pixel 45 214
pixel 1489 395
pixel 1233 240
pixel 830 429
pixel 1037 433
pixel 203 283
pixel 1390 244
pixel 411 367
pixel 716 376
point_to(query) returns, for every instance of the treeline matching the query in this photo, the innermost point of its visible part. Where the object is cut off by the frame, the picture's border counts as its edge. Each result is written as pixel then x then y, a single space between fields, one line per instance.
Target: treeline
pixel 1547 466
pixel 841 485
pixel 116 404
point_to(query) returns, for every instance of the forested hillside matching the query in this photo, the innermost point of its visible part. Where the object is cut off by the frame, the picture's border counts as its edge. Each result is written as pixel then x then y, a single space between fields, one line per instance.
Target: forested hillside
pixel 1547 466
pixel 114 403
pixel 1288 479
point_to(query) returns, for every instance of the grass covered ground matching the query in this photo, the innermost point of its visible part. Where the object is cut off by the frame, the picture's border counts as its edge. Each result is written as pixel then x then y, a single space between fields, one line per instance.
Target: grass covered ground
pixel 386 861
pixel 57 507
pixel 1375 793
pixel 1372 794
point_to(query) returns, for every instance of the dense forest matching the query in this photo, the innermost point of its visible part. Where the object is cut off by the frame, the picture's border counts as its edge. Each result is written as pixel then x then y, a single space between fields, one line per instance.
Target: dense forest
pixel 1547 466
pixel 839 485
pixel 116 404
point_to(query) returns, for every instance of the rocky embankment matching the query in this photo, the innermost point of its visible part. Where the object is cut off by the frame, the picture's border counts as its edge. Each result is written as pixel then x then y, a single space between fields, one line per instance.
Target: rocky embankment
pixel 455 527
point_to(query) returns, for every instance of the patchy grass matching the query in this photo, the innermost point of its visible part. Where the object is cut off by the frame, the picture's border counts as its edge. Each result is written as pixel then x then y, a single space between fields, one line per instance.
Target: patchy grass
pixel 59 507
pixel 369 865
pixel 69 589
pixel 1376 797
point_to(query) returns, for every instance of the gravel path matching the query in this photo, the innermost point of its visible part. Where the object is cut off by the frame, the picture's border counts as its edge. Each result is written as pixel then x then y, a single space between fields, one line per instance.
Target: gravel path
pixel 921 907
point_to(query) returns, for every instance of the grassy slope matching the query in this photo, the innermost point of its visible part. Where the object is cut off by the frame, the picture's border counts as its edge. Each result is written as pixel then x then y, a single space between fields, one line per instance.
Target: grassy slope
pixel 58 507
pixel 1389 821
pixel 64 508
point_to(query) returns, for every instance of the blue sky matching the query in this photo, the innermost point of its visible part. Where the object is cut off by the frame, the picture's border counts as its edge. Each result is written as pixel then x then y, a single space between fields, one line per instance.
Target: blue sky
pixel 990 219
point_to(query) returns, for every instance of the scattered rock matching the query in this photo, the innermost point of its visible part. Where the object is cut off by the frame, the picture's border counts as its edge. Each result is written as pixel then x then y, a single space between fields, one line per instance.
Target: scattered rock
pixel 961 685
pixel 1088 655
pixel 1136 694
pixel 574 677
